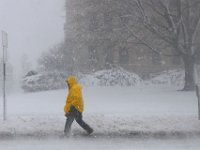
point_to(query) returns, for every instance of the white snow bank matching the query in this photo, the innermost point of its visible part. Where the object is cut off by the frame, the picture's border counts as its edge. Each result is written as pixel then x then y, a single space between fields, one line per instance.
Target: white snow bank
pixel 167 78
pixel 120 77
pixel 56 80
pixel 44 81
pixel 111 77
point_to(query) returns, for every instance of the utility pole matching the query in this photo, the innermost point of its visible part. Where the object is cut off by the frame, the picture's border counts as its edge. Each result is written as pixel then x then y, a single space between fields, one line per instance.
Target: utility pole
pixel 5 46
pixel 198 97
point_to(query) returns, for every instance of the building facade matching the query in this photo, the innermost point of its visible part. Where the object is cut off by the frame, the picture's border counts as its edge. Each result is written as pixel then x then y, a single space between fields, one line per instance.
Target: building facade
pixel 96 34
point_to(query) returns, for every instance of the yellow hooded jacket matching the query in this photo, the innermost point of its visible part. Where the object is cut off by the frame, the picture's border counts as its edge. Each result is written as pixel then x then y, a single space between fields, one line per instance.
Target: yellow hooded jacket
pixel 74 97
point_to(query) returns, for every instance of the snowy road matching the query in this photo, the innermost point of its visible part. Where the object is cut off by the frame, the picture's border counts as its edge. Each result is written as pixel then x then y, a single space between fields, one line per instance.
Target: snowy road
pixel 101 144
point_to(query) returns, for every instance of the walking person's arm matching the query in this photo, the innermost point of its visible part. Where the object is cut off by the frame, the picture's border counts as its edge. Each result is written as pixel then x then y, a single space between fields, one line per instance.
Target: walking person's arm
pixel 67 105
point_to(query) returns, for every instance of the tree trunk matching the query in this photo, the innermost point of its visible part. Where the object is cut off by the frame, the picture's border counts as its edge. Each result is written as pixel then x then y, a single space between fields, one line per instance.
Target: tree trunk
pixel 189 73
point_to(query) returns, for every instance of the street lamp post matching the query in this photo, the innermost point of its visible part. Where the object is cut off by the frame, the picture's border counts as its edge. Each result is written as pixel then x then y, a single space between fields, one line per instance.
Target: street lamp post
pixel 5 46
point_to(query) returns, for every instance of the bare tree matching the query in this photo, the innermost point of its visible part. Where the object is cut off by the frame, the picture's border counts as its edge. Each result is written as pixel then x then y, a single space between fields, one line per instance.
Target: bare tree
pixel 177 24
pixel 56 59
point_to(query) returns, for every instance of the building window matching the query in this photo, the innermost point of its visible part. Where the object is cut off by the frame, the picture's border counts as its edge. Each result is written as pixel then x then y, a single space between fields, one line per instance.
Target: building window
pixel 93 22
pixel 108 22
pixel 176 60
pixel 123 56
pixel 93 55
pixel 156 58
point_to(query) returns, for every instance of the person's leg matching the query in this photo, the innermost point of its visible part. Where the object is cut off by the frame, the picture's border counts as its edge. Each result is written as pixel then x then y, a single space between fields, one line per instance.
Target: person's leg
pixel 80 121
pixel 68 124
pixel 69 120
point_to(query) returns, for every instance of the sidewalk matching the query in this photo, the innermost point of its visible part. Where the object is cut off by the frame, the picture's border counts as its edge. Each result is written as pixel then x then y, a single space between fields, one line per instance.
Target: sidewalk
pixel 104 125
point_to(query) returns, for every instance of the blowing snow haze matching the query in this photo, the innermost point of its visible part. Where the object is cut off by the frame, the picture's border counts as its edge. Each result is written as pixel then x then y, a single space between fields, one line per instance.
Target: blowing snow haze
pixel 33 26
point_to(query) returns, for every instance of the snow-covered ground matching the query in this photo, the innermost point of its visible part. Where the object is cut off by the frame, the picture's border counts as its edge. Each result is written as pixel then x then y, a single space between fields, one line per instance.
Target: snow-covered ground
pixel 122 117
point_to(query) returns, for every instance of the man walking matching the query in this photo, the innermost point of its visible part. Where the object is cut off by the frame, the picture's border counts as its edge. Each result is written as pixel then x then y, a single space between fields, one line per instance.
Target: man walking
pixel 74 106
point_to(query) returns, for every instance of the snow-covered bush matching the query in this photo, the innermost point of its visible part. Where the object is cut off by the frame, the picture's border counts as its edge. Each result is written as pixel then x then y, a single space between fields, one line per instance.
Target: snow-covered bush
pixel 34 81
pixel 170 77
pixel 111 77
pixel 43 81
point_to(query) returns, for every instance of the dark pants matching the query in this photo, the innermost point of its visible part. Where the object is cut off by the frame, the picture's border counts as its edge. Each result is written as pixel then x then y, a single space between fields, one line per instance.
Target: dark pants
pixel 75 114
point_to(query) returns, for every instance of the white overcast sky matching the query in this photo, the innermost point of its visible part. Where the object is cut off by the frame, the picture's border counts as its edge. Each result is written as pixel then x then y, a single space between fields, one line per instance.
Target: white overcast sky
pixel 33 26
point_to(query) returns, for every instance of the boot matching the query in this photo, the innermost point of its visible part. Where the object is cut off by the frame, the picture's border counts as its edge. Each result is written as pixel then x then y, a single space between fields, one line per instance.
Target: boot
pixel 90 131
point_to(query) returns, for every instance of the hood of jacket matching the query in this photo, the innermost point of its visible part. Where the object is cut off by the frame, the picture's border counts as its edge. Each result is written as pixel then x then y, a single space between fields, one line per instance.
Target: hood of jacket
pixel 71 80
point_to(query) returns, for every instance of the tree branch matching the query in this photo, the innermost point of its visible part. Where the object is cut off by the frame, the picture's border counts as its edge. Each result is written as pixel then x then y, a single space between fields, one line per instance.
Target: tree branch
pixel 148 45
